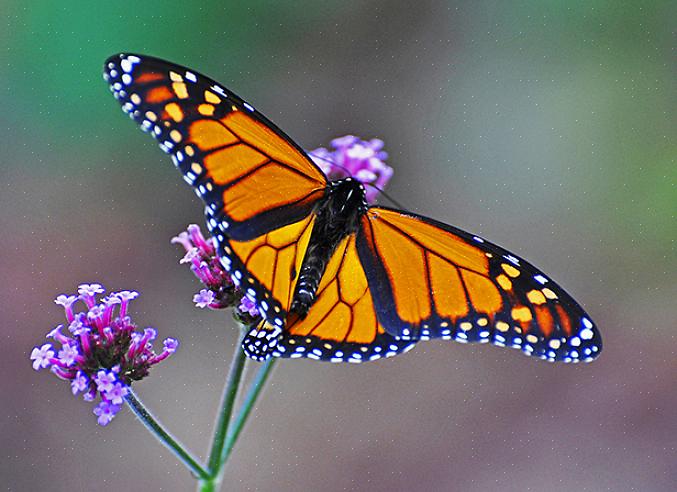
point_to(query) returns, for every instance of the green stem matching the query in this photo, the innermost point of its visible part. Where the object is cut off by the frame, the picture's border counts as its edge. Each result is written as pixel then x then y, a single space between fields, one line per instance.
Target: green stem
pixel 252 395
pixel 227 402
pixel 209 485
pixel 163 436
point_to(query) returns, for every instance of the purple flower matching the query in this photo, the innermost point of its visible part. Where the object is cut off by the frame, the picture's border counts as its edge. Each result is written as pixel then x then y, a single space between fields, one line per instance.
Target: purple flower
pixel 171 344
pixel 247 312
pixel 363 160
pixel 105 411
pixel 104 380
pixel 55 332
pixel 248 306
pixel 199 240
pixel 79 382
pixel 204 298
pixel 104 352
pixel 149 334
pixel 219 291
pixel 68 354
pixel 42 356
pixel 190 255
pixel 90 290
pixel 117 393
pixel 67 302
pixel 344 142
pixel 126 295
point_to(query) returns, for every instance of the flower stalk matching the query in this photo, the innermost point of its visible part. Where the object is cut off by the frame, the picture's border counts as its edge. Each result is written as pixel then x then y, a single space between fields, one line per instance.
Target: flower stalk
pixel 155 428
pixel 227 403
pixel 250 400
pixel 228 429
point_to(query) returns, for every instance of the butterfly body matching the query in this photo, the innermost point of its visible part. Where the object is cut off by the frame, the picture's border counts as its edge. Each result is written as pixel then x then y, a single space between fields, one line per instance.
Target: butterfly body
pixel 337 216
pixel 334 278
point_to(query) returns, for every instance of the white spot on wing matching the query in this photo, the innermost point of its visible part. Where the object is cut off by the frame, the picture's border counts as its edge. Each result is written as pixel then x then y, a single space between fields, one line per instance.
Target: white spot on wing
pixel 586 334
pixel 512 259
pixel 540 279
pixel 220 90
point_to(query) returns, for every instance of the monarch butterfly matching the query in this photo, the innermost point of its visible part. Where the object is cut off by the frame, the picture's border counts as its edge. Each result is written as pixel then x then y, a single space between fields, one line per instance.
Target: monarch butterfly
pixel 334 278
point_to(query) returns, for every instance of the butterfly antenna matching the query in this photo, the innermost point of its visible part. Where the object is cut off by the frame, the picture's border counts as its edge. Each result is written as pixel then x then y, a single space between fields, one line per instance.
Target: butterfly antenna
pixel 335 164
pixel 331 161
pixel 395 202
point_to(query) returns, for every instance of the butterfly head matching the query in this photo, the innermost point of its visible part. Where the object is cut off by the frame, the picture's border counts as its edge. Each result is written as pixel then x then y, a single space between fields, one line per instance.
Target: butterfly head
pixel 347 200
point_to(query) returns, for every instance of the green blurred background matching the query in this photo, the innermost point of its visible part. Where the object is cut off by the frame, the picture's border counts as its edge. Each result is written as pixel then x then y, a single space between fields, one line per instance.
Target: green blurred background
pixel 548 127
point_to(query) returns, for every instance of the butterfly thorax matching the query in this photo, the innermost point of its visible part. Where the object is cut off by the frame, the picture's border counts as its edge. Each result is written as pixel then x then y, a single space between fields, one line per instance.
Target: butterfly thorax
pixel 337 216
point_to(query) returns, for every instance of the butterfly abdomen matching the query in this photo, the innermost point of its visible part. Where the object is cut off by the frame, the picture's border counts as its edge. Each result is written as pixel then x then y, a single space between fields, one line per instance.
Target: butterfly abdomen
pixel 309 277
pixel 337 216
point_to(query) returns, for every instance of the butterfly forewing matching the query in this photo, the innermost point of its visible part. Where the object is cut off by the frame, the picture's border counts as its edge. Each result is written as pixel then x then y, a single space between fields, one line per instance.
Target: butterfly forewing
pixel 251 175
pixel 258 185
pixel 432 280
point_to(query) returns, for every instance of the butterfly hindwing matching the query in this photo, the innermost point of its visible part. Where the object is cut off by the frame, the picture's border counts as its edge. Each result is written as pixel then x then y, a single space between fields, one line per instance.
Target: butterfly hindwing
pixel 432 280
pixel 251 175
pixel 341 325
pixel 265 268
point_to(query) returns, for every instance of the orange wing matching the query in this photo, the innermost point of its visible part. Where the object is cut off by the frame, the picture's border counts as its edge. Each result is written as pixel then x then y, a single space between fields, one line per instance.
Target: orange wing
pixel 341 325
pixel 265 267
pixel 259 187
pixel 252 176
pixel 431 280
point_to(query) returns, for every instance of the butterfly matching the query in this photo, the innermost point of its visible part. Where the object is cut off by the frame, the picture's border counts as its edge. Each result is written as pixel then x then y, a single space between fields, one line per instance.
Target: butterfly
pixel 333 277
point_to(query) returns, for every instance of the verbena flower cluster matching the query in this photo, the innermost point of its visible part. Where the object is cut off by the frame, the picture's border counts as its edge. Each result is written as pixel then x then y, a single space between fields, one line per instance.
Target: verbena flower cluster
pixel 220 292
pixel 364 160
pixel 103 351
pixel 201 255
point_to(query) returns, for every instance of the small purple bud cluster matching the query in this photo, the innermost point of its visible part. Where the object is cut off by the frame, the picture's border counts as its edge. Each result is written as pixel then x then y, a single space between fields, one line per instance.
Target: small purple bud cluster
pixel 104 352
pixel 220 292
pixel 205 265
pixel 353 157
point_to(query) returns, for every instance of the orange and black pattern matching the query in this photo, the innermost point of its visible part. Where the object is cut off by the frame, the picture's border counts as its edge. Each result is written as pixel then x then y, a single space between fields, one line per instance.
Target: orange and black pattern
pixel 475 290
pixel 224 148
pixel 342 324
pixel 255 181
pixel 391 278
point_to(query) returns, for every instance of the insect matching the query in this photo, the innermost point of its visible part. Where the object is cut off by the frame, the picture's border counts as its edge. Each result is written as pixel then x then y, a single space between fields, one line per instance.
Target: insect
pixel 334 278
